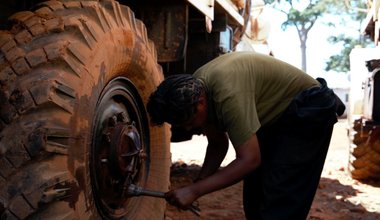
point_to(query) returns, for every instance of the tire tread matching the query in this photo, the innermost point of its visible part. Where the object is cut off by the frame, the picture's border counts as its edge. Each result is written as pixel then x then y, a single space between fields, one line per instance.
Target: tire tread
pixel 35 80
pixel 364 161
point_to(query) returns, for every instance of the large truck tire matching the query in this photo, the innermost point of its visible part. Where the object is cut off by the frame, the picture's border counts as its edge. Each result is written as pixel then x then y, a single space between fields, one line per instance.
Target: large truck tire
pixel 74 133
pixel 364 160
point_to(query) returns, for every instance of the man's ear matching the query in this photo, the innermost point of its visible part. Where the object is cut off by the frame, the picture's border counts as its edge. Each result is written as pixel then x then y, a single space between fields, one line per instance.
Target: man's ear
pixel 202 100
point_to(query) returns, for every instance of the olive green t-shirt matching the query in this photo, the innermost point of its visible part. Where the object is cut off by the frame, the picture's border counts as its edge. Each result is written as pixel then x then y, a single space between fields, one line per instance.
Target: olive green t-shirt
pixel 247 90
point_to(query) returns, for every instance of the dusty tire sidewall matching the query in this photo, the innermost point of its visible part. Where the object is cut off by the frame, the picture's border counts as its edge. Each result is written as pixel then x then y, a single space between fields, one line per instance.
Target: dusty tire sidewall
pixel 139 67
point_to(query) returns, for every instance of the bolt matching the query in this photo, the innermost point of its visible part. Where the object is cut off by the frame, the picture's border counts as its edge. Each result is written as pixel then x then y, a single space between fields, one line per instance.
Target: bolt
pixel 106 137
pixel 114 182
pixel 143 155
pixel 122 116
pixel 129 169
pixel 112 121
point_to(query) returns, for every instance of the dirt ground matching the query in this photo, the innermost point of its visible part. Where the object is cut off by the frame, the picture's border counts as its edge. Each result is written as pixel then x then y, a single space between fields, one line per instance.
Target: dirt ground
pixel 339 197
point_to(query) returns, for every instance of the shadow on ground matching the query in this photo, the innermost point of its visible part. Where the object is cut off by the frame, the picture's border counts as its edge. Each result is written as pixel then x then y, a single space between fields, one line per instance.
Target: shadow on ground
pixel 333 201
pixel 338 201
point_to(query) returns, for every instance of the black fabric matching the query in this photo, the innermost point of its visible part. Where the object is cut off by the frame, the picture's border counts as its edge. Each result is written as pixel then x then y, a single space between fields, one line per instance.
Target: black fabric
pixel 316 101
pixel 175 99
pixel 293 151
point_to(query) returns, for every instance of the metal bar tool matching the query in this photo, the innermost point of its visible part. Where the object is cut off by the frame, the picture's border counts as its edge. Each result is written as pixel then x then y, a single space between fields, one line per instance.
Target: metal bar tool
pixel 134 190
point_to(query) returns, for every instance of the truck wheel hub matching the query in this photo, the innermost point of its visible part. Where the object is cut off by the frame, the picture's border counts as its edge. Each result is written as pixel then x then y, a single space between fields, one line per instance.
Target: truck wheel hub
pixel 125 150
pixel 117 156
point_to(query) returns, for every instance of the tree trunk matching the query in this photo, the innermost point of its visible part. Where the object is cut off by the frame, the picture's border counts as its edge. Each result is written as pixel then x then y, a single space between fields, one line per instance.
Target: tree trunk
pixel 303 54
pixel 303 38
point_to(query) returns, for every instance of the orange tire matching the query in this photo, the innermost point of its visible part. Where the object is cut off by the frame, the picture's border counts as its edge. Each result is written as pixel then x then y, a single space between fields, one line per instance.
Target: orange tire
pixel 75 77
pixel 364 160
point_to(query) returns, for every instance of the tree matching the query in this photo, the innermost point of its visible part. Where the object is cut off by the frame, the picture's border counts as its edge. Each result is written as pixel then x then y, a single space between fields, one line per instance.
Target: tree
pixel 303 15
pixel 341 62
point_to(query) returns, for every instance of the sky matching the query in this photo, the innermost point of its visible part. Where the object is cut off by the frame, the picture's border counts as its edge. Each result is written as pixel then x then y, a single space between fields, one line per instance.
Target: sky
pixel 286 46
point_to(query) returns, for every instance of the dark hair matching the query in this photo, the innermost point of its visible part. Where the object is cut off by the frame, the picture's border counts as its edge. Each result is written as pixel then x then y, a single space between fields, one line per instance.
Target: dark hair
pixel 175 99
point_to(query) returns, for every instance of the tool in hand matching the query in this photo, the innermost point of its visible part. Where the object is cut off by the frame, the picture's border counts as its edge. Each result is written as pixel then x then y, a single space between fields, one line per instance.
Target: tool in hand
pixel 134 190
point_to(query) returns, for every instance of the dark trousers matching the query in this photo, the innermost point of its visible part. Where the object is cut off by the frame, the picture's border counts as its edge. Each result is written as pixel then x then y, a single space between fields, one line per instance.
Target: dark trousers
pixel 293 152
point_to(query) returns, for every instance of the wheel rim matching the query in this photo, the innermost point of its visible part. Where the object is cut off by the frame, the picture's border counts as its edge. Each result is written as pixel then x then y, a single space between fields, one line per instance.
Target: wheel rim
pixel 119 153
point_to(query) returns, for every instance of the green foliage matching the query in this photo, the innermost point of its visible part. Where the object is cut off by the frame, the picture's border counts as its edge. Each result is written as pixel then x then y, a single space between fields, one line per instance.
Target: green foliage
pixel 341 62
pixel 357 11
pixel 303 19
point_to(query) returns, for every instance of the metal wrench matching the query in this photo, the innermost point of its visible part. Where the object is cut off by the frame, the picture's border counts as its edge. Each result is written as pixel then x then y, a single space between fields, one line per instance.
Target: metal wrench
pixel 134 190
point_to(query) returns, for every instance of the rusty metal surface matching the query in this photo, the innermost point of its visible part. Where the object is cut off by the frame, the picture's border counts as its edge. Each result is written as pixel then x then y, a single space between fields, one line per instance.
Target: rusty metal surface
pixel 167 28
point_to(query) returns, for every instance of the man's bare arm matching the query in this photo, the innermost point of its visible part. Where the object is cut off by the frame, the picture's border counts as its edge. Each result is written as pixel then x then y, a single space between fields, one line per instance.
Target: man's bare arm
pixel 216 151
pixel 247 159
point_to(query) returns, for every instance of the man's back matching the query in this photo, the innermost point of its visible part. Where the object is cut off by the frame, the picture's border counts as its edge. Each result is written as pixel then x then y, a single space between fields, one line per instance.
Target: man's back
pixel 250 90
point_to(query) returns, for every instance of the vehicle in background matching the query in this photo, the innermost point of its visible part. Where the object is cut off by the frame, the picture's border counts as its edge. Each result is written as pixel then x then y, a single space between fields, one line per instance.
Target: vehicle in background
pixel 364 108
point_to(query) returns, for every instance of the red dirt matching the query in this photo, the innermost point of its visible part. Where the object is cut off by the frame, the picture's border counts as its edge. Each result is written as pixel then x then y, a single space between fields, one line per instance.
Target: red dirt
pixel 338 195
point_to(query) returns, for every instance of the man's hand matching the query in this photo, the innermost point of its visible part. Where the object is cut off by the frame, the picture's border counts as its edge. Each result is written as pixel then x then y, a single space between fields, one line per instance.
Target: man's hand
pixel 182 197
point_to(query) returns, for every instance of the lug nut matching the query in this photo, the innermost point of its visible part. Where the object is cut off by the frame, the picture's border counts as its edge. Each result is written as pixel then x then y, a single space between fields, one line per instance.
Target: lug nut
pixel 112 121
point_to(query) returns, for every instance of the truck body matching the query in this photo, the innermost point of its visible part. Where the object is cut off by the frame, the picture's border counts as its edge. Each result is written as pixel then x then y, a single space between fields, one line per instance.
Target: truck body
pixel 75 77
pixel 364 108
